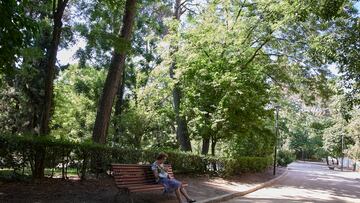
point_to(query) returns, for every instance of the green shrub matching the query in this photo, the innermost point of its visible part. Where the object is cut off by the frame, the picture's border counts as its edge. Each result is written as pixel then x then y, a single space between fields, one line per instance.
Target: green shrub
pixel 235 166
pixel 285 157
pixel 18 153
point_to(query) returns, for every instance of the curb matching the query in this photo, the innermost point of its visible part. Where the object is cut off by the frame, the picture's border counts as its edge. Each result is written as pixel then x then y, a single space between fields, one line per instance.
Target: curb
pixel 242 193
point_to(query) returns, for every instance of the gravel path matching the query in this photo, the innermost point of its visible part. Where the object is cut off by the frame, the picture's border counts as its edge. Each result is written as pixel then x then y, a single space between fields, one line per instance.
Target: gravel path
pixel 309 182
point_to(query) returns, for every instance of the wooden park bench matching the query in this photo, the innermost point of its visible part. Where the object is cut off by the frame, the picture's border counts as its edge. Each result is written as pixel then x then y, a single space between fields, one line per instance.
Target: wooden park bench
pixel 133 178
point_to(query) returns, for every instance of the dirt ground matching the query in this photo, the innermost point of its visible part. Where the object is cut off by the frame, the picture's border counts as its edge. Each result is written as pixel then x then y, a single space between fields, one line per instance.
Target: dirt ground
pixel 104 190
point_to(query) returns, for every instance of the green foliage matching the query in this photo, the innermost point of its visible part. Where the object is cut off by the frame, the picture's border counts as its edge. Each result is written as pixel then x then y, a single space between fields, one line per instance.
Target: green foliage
pixel 224 76
pixel 76 95
pixel 340 118
pixel 256 142
pixel 302 127
pixel 285 157
pixel 24 86
pixel 236 166
pixel 15 29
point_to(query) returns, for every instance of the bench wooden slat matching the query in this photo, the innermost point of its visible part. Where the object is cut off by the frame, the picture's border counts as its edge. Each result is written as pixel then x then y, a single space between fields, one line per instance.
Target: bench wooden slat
pixel 135 183
pixel 123 175
pixel 135 172
pixel 146 185
pixel 136 169
pixel 128 174
pixel 146 189
pixel 131 169
pixel 134 178
pixel 135 186
pixel 150 188
pixel 132 174
pixel 149 182
pixel 134 165
pixel 135 175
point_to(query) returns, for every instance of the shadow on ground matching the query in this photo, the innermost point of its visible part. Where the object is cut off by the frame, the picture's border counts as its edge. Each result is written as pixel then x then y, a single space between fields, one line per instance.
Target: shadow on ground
pixel 104 190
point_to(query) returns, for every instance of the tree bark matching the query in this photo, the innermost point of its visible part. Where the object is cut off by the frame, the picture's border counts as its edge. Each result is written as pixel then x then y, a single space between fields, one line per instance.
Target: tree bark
pixel 49 82
pixel 213 145
pixel 114 77
pixel 205 146
pixel 50 66
pixel 119 109
pixel 182 134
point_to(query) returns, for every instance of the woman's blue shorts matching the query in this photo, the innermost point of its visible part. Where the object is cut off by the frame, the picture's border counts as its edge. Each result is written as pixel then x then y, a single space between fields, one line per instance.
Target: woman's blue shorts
pixel 170 185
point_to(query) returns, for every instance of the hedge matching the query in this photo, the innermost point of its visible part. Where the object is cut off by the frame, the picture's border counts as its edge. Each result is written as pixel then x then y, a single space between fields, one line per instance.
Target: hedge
pixel 285 157
pixel 240 165
pixel 18 152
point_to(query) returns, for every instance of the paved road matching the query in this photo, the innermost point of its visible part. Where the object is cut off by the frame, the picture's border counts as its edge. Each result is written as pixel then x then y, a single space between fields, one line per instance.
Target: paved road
pixel 309 182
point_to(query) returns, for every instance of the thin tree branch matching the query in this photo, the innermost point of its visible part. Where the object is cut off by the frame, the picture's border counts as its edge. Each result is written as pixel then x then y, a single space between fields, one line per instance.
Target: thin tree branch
pixel 183 3
pixel 256 52
pixel 208 56
pixel 186 9
pixel 238 14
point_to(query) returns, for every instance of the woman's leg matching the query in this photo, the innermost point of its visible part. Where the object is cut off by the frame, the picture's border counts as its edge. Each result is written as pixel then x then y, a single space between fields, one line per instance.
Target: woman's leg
pixel 178 194
pixel 177 185
pixel 183 191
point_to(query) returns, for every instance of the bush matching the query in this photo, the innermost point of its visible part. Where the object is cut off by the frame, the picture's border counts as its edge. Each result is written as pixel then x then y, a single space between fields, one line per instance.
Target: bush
pixel 285 157
pixel 240 165
pixel 18 153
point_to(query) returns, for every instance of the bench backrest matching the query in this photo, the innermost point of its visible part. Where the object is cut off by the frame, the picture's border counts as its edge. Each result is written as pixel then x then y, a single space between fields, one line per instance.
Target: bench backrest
pixel 134 174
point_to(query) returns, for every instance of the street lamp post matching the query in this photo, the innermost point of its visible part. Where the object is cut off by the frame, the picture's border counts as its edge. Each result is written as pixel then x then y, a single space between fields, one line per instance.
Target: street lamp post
pixel 277 108
pixel 342 152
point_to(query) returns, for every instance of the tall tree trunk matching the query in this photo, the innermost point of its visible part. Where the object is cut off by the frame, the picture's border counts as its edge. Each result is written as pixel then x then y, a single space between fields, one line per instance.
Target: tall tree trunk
pixel 327 160
pixel 50 66
pixel 119 108
pixel 114 77
pixel 354 169
pixel 58 11
pixel 182 134
pixel 205 146
pixel 213 145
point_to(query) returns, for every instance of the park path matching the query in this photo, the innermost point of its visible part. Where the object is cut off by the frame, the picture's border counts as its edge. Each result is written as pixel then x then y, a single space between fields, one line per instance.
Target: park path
pixel 309 182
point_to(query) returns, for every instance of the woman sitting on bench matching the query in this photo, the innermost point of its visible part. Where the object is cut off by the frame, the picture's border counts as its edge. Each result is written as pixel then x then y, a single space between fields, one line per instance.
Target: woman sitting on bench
pixel 170 184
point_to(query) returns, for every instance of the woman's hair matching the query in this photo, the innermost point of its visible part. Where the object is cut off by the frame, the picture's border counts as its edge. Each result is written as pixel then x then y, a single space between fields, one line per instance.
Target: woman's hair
pixel 161 156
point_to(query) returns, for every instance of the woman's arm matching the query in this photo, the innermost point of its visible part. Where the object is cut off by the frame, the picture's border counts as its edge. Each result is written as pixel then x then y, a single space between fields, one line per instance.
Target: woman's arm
pixel 156 174
pixel 166 170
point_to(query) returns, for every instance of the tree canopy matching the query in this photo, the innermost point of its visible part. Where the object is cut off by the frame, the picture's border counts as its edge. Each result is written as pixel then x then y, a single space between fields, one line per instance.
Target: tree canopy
pixel 199 76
